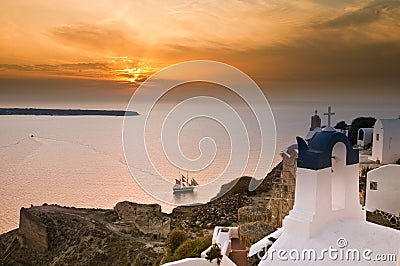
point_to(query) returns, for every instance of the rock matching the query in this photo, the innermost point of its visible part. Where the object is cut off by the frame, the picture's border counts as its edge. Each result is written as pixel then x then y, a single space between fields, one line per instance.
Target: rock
pixel 250 233
pixel 77 237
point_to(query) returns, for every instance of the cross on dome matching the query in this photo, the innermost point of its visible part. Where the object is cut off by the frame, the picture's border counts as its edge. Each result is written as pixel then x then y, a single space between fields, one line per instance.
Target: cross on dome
pixel 329 114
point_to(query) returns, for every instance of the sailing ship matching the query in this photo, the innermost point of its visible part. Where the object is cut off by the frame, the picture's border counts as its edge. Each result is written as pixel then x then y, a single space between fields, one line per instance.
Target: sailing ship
pixel 184 184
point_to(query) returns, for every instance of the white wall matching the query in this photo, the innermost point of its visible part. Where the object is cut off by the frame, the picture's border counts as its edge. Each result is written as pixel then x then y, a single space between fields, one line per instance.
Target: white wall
pixel 377 145
pixel 191 262
pixel 367 137
pixel 200 262
pixel 387 197
pixel 323 196
pixel 387 148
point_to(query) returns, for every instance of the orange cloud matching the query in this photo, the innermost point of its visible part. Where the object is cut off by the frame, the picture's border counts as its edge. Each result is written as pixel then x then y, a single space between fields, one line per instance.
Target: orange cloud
pixel 270 40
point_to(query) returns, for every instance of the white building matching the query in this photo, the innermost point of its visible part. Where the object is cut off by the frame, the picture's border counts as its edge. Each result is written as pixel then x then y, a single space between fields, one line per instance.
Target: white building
pixel 327 225
pixel 386 141
pixel 382 191
pixel 364 137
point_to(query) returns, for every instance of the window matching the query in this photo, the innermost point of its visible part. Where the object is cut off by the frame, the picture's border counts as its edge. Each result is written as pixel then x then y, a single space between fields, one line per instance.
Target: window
pixel 373 185
pixel 377 137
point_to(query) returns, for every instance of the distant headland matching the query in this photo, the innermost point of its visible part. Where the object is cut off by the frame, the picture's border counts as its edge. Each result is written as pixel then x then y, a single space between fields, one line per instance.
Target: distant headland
pixel 64 112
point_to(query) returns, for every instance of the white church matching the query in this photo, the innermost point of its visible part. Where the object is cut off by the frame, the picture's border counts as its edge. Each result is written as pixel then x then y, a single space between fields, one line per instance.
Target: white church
pixel 327 214
pixel 327 225
pixel 386 141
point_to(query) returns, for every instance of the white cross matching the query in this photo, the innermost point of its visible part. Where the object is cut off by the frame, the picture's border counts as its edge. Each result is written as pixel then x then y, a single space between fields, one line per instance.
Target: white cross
pixel 329 114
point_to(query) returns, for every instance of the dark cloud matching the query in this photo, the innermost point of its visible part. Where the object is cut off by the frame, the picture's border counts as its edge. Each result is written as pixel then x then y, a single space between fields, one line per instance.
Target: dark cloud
pixel 92 37
pixel 356 18
pixel 326 59
pixel 333 2
pixel 384 4
pixel 135 78
pixel 362 16
pixel 62 90
pixel 59 67
pixel 112 69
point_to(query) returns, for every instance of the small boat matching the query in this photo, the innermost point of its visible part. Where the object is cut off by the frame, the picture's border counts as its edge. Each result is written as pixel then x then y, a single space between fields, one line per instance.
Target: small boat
pixel 183 184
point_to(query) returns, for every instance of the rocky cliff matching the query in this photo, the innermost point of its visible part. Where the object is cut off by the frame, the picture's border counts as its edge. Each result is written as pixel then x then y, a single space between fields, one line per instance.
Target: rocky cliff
pixel 129 234
pixel 54 235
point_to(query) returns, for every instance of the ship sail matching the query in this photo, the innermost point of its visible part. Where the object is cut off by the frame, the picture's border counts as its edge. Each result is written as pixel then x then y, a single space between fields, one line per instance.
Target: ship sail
pixel 194 182
pixel 184 181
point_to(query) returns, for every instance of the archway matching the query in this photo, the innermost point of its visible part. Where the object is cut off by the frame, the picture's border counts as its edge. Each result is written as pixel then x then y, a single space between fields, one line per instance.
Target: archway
pixel 338 177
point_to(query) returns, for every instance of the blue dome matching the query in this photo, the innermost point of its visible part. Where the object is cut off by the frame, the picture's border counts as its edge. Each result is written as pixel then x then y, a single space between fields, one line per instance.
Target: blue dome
pixel 317 154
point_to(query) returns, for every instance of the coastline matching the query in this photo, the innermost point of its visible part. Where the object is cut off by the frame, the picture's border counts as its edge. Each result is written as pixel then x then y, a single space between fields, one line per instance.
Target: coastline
pixel 64 112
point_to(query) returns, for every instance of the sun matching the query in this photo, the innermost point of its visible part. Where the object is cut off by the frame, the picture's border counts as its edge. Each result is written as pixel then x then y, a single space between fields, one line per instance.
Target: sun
pixel 130 70
pixel 136 74
pixel 130 74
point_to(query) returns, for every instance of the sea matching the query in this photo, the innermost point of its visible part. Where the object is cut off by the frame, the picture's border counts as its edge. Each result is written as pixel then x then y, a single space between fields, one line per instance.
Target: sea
pixel 79 160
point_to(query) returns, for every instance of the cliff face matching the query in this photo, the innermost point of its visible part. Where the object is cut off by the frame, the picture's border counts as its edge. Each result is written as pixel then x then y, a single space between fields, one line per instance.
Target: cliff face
pixel 130 234
pixel 33 231
pixel 148 218
pixel 64 236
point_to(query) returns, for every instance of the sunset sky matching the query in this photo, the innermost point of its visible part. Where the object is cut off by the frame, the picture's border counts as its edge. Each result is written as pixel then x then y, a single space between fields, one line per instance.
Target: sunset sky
pixel 90 50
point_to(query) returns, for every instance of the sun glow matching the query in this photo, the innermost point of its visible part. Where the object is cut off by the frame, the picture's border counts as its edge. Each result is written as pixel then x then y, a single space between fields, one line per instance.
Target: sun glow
pixel 130 70
pixel 103 41
pixel 133 75
pixel 136 75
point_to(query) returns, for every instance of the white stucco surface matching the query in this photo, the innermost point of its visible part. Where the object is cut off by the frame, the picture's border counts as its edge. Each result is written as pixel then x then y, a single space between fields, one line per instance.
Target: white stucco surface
pixel 327 225
pixel 386 147
pixel 387 196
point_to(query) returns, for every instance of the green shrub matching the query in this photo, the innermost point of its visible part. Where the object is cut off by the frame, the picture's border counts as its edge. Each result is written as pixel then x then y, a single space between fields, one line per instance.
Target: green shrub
pixel 174 240
pixel 192 248
pixel 189 249
pixel 214 253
